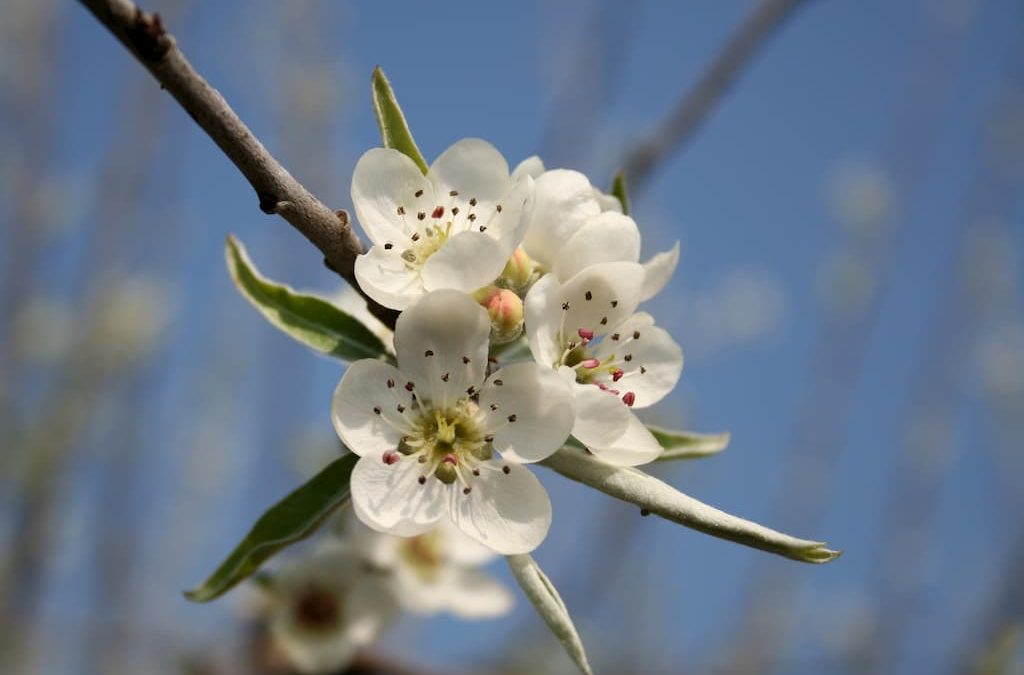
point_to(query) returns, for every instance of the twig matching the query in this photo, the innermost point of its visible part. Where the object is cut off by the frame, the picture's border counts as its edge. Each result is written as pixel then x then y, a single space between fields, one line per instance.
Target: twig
pixel 694 107
pixel 278 192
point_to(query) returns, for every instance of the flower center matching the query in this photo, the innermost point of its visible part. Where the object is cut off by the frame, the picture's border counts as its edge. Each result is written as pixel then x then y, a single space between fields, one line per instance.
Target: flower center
pixel 578 354
pixel 423 554
pixel 316 609
pixel 425 243
pixel 449 440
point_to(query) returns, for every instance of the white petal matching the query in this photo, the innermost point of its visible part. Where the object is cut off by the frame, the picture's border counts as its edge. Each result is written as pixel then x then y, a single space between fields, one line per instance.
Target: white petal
pixel 531 166
pixel 383 180
pixel 598 298
pixel 474 594
pixel 474 168
pixel 508 512
pixel 460 549
pixel 658 270
pixel 387 279
pixel 441 343
pixel 562 201
pixel 607 237
pixel 608 202
pixel 601 417
pixel 542 403
pixel 655 362
pixel 390 499
pixel 369 606
pixel 636 446
pixel 361 393
pixel 465 262
pixel 509 225
pixel 311 653
pixel 542 315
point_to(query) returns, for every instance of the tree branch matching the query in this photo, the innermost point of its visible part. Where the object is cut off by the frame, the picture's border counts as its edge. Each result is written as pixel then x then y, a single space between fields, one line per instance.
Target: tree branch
pixel 143 34
pixel 695 106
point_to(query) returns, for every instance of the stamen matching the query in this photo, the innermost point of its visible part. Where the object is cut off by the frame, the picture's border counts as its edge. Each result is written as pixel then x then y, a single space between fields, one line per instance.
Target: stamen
pixel 615 303
pixel 400 408
pixel 429 352
pixel 455 210
pixel 472 201
pixel 629 398
pixel 615 336
pixel 465 360
pixel 453 193
pixel 419 193
pixel 590 363
pixel 498 208
pixel 422 480
pixel 438 212
pixel 450 459
pixel 445 377
pixel 415 236
pixel 401 210
pixel 627 358
pixel 390 457
pixel 409 386
pixel 587 335
pixel 466 490
pixel 617 374
pixel 421 215
pixel 589 295
pixel 505 470
pixel 499 382
pixel 642 370
pixel 636 335
pixel 512 418
pixel 388 246
pixel 604 321
pixel 565 306
pixel 376 410
pixel 391 383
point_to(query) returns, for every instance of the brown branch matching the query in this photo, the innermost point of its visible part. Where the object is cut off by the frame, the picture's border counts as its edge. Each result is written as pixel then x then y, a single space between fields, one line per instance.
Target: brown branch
pixel 143 34
pixel 695 105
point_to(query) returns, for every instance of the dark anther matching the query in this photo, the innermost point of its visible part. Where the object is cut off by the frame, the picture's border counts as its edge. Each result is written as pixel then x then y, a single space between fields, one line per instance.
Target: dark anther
pixel 376 410
pixel 466 490
pixel 419 193
pixel 472 201
pixel 476 472
pixel 499 382
pixel 636 335
pixel 565 306
pixel 444 378
pixel 465 359
pixel 615 303
pixel 391 383
pixel 401 408
pixel 455 210
pixel 453 193
pixel 498 208
pixel 627 357
pixel 422 480
pixel 429 352
pixel 401 210
pixel 604 321
pixel 589 295
pixel 388 246
pixel 511 418
pixel 506 470
pixel 409 386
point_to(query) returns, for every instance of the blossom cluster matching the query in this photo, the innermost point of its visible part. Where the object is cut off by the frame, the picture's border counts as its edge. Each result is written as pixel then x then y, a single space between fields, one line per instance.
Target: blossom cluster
pixel 321 609
pixel 519 331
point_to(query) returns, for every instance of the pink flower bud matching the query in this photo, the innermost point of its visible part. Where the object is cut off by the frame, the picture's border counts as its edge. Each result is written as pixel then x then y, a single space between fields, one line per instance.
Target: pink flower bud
pixel 505 309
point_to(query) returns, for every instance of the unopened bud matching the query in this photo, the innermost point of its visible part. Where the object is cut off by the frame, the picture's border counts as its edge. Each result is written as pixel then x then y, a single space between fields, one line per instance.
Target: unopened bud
pixel 506 311
pixel 518 272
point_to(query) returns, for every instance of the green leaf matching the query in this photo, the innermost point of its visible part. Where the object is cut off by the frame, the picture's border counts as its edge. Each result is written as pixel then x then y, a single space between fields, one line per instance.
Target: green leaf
pixel 394 131
pixel 655 496
pixel 619 191
pixel 687 444
pixel 290 520
pixel 311 320
pixel 542 593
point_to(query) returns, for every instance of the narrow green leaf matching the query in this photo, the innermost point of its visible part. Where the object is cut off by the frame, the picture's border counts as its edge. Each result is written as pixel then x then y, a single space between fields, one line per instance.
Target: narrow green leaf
pixel 290 520
pixel 312 321
pixel 394 131
pixel 687 444
pixel 655 496
pixel 542 593
pixel 619 191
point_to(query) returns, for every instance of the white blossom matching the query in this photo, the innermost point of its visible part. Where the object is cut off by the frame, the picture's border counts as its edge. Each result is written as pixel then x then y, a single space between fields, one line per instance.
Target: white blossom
pixel 437 571
pixel 454 227
pixel 324 607
pixel 429 432
pixel 573 225
pixel 618 360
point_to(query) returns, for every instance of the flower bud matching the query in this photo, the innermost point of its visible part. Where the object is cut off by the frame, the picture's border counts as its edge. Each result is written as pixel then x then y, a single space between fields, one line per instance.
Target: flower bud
pixel 518 272
pixel 506 311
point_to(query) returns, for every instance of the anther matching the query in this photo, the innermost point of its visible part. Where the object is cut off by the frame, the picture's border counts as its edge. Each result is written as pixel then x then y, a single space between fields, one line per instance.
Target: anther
pixel 590 363
pixel 642 370
pixel 472 201
pixel 453 193
pixel 444 378
pixel 470 391
pixel 419 193
pixel 636 335
pixel 401 210
pixel 615 336
pixel 390 457
pixel 465 360
pixel 476 472
pixel 455 210
pixel 587 335
pixel 388 246
pixel 488 438
pixel 512 418
pixel 494 407
pixel 565 306
pixel 421 215
pixel 627 358
pixel 505 470
pixel 400 408
pixel 499 382
pixel 589 295
pixel 391 383
pixel 498 208
pixel 409 386
pixel 604 321
pixel 429 352
pixel 471 217
pixel 422 459
pixel 438 212
pixel 483 228
pixel 615 303
pixel 617 374
pixel 415 236
pixel 376 410
pixel 422 480
pixel 629 398
pixel 466 490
